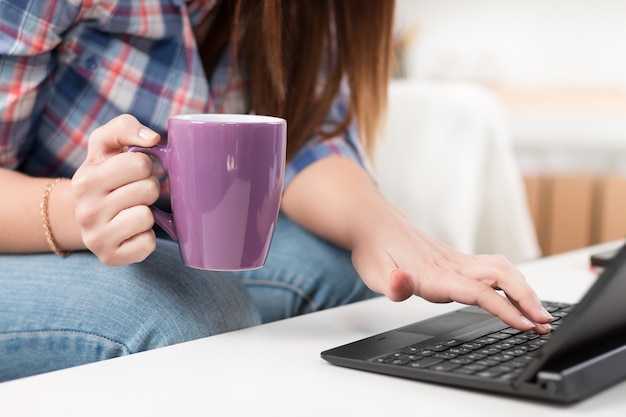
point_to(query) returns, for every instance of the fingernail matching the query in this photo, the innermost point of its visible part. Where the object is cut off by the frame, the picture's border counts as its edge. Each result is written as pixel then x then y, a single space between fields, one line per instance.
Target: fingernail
pixel 546 314
pixel 545 327
pixel 146 134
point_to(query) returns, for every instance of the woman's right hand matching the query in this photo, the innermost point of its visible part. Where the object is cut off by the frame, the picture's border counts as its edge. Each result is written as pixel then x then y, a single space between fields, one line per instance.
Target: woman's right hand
pixel 112 191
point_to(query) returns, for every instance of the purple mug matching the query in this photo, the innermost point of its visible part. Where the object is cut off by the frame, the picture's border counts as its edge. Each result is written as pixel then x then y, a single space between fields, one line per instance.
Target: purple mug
pixel 226 175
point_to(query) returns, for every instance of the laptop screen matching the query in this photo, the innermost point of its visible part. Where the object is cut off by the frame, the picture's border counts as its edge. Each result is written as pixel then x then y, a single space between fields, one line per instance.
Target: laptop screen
pixel 599 317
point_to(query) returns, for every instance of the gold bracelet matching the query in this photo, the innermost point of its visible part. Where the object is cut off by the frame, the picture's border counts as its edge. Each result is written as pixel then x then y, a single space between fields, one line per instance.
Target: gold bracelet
pixel 47 228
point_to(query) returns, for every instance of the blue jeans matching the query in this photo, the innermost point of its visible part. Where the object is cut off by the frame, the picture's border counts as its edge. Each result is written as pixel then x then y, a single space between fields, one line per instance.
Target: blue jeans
pixel 57 313
pixel 302 274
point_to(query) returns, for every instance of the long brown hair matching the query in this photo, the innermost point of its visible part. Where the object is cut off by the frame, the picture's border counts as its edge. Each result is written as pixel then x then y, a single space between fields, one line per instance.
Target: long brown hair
pixel 287 44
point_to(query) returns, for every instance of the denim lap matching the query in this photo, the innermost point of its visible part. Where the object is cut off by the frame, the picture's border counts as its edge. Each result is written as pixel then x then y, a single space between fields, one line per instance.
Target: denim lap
pixel 56 313
pixel 303 273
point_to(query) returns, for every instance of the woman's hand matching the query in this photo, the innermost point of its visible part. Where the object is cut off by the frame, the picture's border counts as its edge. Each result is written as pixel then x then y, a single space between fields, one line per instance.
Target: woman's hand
pixel 394 258
pixel 336 199
pixel 112 191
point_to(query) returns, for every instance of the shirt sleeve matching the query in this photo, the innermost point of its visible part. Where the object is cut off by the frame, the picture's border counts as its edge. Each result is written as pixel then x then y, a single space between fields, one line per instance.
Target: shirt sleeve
pixel 29 33
pixel 317 147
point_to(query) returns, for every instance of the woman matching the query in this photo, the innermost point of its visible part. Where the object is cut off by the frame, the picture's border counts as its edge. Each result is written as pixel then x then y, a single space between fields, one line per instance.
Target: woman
pixel 83 276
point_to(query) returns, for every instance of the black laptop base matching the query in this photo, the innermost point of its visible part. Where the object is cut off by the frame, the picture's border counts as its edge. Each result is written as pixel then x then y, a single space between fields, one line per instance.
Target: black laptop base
pixel 585 354
pixel 397 353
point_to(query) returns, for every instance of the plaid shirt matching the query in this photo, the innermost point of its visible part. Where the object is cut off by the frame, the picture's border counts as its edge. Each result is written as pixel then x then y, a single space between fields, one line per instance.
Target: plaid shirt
pixel 69 66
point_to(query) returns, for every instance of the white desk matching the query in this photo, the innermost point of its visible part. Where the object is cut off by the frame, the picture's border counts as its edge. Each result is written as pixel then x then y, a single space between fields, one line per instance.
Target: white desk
pixel 276 370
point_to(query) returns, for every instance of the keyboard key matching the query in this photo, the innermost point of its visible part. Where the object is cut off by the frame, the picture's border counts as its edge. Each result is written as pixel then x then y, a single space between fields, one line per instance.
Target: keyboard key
pixel 487 340
pixel 439 347
pixel 445 355
pixel 424 362
pixel 461 361
pixel 444 366
pixel 500 335
pixel 472 345
pixel 490 373
pixel 487 362
pixel 453 342
pixel 475 356
pixel 518 351
pixel 475 367
pixel 418 351
pixel 502 357
pixel 459 350
pixel 489 351
pixel 503 345
pixel 510 330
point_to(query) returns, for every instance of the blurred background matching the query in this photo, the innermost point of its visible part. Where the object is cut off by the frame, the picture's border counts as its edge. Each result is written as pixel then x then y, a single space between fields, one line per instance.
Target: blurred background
pixel 537 85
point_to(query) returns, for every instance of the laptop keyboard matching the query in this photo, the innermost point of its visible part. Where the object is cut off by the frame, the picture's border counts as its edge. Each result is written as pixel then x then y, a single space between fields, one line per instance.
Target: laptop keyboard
pixel 502 354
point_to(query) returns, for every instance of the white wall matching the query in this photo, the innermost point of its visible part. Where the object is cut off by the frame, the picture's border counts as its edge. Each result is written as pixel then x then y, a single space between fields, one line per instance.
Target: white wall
pixel 519 43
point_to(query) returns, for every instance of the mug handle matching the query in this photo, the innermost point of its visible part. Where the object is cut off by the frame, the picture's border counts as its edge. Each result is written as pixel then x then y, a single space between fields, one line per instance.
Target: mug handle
pixel 162 218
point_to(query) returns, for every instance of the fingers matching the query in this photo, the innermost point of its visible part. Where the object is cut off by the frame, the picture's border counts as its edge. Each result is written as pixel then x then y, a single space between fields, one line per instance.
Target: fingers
pixel 474 292
pixel 497 272
pixel 112 173
pixel 127 238
pixel 112 191
pixel 115 136
pixel 97 209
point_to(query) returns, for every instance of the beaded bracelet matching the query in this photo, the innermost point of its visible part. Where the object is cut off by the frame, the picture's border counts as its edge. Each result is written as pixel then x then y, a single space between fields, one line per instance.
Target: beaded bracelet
pixel 47 228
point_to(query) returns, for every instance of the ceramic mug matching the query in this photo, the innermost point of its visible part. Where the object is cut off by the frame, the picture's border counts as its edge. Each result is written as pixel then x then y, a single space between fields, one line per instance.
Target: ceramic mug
pixel 226 175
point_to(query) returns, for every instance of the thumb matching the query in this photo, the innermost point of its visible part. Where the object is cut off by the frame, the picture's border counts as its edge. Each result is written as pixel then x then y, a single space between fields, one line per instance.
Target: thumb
pixel 400 285
pixel 382 274
pixel 114 136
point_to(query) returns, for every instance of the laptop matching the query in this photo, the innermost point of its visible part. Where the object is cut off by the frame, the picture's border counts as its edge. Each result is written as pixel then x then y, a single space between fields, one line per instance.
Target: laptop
pixel 470 348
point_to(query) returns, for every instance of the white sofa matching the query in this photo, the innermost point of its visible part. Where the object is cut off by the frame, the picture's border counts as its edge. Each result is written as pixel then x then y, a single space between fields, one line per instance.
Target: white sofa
pixel 446 159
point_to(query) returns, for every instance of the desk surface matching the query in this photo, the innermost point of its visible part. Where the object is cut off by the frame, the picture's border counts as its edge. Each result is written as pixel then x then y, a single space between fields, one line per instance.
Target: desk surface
pixel 276 369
